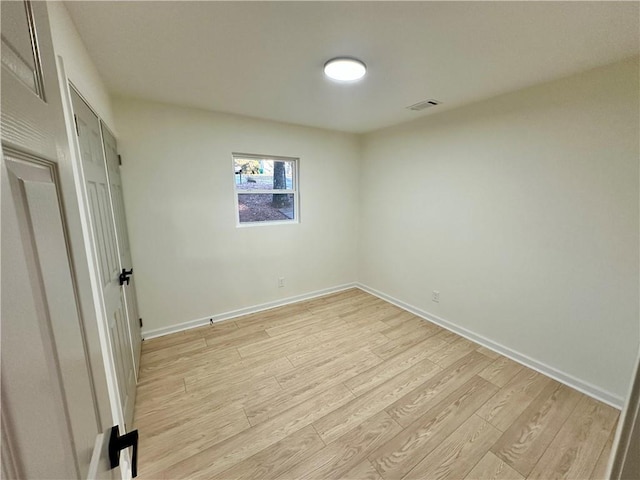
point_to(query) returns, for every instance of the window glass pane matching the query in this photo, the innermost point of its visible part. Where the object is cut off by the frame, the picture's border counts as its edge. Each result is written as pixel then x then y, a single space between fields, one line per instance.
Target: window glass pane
pixel 265 207
pixel 258 174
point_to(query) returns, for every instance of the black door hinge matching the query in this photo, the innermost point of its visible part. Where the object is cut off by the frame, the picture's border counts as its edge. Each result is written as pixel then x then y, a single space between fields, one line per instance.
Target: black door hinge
pixel 75 119
pixel 140 322
pixel 119 160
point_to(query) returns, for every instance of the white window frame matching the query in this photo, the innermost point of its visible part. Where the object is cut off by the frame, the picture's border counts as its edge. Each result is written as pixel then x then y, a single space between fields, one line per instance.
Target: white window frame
pixel 295 191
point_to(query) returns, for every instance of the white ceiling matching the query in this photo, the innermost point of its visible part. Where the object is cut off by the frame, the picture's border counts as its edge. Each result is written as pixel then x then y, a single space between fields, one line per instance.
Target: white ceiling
pixel 265 59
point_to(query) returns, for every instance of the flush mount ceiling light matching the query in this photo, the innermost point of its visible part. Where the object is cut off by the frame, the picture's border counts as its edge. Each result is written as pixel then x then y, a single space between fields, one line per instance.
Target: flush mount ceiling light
pixel 345 69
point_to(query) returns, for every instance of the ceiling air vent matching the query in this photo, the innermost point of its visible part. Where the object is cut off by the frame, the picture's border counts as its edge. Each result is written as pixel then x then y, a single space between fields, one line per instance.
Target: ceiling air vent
pixel 422 105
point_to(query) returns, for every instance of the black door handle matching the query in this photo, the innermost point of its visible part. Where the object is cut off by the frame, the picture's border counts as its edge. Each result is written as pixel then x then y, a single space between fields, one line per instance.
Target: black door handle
pixel 125 276
pixel 119 442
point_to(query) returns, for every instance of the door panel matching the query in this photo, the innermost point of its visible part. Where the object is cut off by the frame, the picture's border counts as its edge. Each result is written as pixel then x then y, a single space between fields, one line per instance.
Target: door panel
pixel 120 343
pixel 50 410
pixel 28 121
pixel 48 239
pixel 18 54
pixel 117 199
pixel 33 394
pixel 104 238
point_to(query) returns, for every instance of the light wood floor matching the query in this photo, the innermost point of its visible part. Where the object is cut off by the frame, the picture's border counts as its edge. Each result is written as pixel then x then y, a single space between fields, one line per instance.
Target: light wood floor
pixel 348 386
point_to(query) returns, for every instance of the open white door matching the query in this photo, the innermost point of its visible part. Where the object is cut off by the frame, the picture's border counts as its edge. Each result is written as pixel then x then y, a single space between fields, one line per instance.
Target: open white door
pixel 55 405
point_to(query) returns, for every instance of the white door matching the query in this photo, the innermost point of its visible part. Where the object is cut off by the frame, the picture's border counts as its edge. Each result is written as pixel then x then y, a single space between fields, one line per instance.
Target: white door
pixel 52 415
pixel 117 200
pixel 106 249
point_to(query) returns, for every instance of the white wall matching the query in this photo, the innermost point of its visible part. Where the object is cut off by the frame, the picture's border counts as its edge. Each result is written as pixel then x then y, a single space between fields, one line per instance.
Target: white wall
pixel 190 259
pixel 522 211
pixel 78 65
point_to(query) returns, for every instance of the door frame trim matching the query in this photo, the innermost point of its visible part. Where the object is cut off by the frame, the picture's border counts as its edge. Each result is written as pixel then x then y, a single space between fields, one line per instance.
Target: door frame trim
pixel 627 431
pixel 87 234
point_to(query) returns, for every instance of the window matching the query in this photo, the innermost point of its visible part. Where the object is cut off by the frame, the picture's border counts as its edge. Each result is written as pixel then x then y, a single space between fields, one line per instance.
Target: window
pixel 266 189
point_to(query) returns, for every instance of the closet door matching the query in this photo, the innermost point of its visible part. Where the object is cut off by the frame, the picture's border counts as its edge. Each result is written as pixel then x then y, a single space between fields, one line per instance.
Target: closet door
pixel 106 250
pixel 115 186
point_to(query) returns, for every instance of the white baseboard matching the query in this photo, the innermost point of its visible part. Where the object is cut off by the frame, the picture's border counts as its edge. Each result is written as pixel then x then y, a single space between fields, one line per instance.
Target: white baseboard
pixel 562 377
pixel 148 334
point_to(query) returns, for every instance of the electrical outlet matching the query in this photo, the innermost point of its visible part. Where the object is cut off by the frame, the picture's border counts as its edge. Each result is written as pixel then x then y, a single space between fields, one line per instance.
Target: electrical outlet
pixel 435 296
pixel 280 282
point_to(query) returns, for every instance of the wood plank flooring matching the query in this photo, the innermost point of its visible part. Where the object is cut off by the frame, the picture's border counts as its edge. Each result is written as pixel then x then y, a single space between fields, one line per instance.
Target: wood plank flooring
pixel 348 386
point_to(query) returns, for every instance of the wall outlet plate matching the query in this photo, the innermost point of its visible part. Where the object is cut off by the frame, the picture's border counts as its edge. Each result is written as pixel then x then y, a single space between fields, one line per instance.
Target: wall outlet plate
pixel 435 296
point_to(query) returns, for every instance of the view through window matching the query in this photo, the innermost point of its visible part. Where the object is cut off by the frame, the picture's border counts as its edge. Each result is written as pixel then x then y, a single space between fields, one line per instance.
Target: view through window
pixel 266 189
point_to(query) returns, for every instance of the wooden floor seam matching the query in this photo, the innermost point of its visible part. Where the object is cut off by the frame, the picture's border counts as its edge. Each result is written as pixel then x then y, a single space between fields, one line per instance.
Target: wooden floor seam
pixel 348 386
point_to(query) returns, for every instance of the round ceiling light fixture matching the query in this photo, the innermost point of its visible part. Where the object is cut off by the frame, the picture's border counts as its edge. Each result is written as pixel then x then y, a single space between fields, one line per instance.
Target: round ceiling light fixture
pixel 345 69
